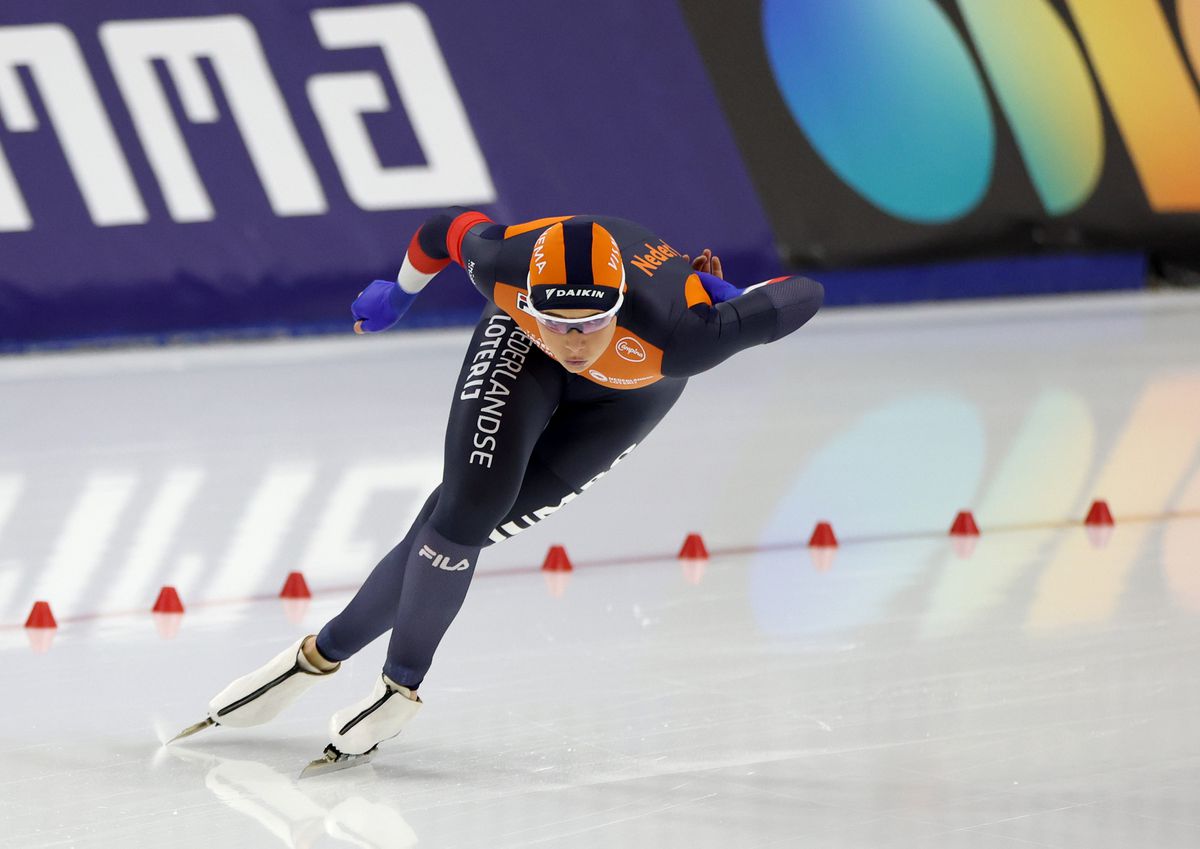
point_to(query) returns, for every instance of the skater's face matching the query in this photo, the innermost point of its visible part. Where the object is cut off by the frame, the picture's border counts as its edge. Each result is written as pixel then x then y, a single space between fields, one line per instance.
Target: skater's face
pixel 574 349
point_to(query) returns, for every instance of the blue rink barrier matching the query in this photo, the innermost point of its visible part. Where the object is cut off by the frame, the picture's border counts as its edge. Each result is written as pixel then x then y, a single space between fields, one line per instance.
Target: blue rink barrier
pixel 224 168
pixel 983 278
pixel 228 164
pixel 452 301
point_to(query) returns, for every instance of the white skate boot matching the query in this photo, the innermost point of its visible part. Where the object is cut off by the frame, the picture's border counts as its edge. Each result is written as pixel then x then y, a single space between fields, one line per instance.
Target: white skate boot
pixel 259 696
pixel 355 732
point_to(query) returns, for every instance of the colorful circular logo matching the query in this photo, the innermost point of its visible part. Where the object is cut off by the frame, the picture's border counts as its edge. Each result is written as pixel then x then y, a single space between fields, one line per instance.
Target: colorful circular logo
pixel 890 97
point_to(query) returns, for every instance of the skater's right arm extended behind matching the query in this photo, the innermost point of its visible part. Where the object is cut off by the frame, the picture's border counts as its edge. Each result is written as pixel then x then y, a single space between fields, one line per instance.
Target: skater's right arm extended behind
pixel 435 244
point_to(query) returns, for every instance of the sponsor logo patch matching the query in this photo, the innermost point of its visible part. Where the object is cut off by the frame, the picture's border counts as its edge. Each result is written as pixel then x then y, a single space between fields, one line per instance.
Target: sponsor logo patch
pixel 630 350
pixel 619 381
pixel 650 261
pixel 574 293
pixel 442 561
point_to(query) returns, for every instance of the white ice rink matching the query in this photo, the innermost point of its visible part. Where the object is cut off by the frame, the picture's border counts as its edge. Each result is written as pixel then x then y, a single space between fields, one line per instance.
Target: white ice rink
pixel 1041 690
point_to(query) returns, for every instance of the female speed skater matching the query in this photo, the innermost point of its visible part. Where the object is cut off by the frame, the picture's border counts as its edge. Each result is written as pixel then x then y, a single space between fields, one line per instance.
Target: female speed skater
pixel 592 329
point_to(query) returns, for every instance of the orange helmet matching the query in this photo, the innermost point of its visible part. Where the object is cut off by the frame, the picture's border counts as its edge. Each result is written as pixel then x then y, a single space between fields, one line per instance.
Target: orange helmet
pixel 576 265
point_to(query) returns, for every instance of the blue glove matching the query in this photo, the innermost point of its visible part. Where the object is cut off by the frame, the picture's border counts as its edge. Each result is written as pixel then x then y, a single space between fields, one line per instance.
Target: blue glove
pixel 380 305
pixel 717 288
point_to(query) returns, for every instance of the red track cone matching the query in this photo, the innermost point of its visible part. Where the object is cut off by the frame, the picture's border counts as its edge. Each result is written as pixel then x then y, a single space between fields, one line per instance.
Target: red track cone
pixel 693 548
pixel 168 601
pixel 40 616
pixel 822 536
pixel 964 525
pixel 295 587
pixel 1099 514
pixel 557 560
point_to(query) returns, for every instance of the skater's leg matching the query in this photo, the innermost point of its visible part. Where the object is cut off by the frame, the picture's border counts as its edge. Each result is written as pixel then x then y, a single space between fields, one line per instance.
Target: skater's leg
pixel 506 394
pixel 502 378
pixel 584 438
pixel 373 608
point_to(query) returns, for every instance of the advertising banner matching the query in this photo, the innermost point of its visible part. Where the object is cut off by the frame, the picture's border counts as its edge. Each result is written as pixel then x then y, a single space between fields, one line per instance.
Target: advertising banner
pixel 254 163
pixel 902 130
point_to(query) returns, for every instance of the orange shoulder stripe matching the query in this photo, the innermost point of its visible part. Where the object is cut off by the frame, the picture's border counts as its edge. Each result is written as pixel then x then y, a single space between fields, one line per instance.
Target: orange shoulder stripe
pixel 518 229
pixel 695 292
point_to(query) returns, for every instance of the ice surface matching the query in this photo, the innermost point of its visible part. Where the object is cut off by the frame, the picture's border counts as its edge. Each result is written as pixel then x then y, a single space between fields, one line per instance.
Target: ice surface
pixel 1039 690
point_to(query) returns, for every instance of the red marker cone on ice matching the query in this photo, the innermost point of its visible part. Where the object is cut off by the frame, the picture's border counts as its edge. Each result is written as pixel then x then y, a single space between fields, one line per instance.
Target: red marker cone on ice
pixel 295 587
pixel 40 616
pixel 168 601
pixel 964 525
pixel 693 548
pixel 1099 514
pixel 822 536
pixel 557 560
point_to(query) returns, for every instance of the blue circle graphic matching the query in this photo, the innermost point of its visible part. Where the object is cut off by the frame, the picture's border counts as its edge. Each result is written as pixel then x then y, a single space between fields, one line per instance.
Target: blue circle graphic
pixel 889 96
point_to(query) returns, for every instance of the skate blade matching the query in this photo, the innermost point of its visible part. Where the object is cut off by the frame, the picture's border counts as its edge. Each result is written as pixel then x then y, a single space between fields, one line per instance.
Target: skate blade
pixel 190 730
pixel 333 761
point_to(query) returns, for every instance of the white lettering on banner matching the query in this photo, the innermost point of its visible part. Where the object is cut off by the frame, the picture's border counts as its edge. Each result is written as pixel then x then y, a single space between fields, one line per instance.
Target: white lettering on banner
pixel 231 44
pixel 56 66
pixel 455 171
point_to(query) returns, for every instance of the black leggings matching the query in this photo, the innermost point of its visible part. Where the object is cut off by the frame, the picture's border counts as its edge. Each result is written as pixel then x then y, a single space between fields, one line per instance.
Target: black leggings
pixel 525 437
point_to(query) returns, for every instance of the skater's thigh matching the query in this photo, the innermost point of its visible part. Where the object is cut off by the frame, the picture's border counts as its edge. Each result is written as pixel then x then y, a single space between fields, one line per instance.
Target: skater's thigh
pixel 595 426
pixel 505 394
pixel 584 439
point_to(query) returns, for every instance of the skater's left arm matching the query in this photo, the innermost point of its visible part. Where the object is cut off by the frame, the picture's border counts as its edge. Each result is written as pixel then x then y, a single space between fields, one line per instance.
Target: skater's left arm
pixel 729 319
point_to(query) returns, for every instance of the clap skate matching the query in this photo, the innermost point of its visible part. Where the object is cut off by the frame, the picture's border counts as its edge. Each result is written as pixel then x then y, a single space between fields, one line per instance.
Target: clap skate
pixel 259 696
pixel 357 731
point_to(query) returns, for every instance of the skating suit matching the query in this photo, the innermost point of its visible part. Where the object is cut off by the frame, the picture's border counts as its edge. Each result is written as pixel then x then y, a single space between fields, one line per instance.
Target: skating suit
pixel 525 436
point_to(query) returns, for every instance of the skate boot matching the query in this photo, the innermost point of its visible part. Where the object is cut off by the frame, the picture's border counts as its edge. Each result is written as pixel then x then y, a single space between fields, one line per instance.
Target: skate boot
pixel 259 696
pixel 356 732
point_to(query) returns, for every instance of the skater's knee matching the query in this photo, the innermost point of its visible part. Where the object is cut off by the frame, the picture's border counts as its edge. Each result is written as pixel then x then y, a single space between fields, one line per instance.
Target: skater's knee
pixel 469 520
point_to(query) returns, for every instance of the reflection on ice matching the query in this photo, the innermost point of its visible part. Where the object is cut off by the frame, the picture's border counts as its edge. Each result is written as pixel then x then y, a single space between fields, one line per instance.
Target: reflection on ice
pixel 277 803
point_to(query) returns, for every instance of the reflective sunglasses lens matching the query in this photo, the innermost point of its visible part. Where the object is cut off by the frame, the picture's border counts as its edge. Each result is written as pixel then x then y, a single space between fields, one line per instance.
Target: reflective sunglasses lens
pixel 595 324
pixel 585 327
pixel 559 327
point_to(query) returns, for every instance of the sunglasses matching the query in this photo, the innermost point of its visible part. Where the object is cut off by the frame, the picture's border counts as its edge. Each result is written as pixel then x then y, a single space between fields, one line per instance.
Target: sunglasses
pixel 583 325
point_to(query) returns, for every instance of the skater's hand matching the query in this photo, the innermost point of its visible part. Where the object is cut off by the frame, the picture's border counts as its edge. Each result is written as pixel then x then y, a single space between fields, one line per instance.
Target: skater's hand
pixel 379 306
pixel 712 276
pixel 707 262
